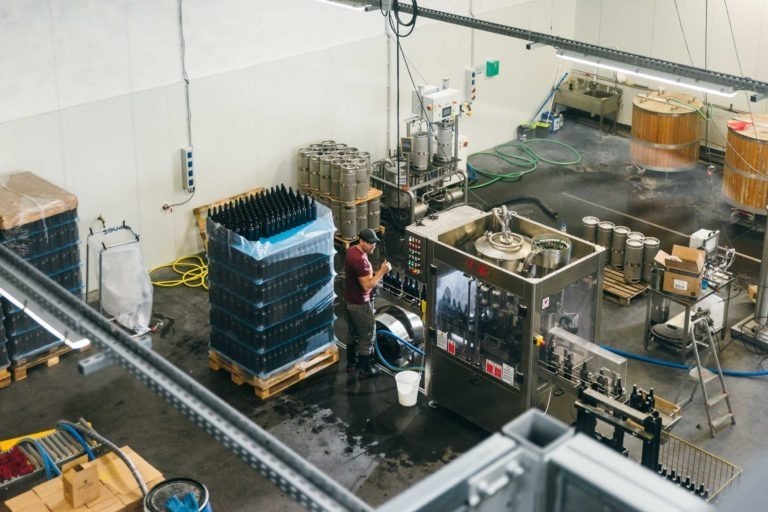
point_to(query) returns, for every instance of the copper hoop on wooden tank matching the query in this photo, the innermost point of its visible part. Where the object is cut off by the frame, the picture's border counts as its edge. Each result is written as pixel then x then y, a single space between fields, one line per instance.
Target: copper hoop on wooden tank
pixel 745 174
pixel 666 131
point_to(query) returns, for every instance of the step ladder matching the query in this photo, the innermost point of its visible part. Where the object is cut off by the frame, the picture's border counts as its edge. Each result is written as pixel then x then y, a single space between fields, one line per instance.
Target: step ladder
pixel 704 376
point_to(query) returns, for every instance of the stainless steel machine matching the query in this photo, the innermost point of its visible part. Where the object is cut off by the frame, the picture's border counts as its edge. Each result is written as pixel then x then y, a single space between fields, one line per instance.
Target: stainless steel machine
pixel 497 284
pixel 424 175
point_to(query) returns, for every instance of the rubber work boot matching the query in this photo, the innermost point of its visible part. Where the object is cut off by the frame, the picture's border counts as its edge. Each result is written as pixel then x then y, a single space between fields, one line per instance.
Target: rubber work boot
pixel 365 368
pixel 351 357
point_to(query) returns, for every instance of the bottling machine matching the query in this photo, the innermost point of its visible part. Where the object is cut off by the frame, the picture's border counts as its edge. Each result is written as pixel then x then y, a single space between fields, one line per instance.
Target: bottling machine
pixel 499 286
pixel 425 174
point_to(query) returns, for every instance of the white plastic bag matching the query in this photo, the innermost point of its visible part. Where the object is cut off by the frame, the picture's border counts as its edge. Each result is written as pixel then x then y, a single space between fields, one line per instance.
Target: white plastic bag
pixel 126 289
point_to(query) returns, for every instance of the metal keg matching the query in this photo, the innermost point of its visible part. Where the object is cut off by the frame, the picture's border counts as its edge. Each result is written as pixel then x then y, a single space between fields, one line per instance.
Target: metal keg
pixel 336 164
pixel 633 261
pixel 340 146
pixel 420 151
pixel 659 303
pixel 328 144
pixel 303 165
pixel 362 216
pixel 364 155
pixel 444 143
pixel 635 235
pixel 618 239
pixel 347 183
pixel 314 171
pixel 348 226
pixel 351 151
pixel 374 213
pixel 325 174
pixel 362 179
pixel 336 213
pixel 651 246
pixel 589 228
pixel 604 234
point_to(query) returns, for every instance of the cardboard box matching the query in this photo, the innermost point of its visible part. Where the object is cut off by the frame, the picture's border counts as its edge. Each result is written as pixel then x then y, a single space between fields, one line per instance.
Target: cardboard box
pixel 683 268
pixel 81 484
pixel 118 491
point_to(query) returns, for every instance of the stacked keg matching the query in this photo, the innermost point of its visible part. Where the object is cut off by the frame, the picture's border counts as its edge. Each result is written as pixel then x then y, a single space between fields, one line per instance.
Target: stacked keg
pixel 629 251
pixel 339 176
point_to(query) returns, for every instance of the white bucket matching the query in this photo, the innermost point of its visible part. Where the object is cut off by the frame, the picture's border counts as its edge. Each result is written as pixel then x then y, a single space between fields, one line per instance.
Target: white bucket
pixel 407 387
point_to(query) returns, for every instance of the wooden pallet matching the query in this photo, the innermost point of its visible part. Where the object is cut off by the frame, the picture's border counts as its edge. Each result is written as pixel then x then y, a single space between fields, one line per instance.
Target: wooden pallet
pixel 346 244
pixel 270 386
pixel 48 358
pixel 5 378
pixel 615 289
pixel 201 212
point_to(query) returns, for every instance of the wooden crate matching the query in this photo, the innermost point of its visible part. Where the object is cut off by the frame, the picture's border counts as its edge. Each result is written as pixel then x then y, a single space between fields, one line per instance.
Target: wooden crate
pixel 48 358
pixel 274 384
pixel 201 212
pixel 615 289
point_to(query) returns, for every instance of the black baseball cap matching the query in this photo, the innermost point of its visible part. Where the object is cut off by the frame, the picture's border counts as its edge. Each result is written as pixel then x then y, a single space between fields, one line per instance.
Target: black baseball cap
pixel 369 236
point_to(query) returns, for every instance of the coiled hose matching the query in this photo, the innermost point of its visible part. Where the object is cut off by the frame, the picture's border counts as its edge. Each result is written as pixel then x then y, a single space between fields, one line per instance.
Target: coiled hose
pixel 394 336
pixel 524 159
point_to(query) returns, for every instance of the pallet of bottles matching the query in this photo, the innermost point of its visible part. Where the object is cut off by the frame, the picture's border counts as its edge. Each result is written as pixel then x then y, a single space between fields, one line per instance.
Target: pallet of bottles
pixel 38 221
pixel 271 279
pixel 46 358
pixel 201 212
pixel 276 382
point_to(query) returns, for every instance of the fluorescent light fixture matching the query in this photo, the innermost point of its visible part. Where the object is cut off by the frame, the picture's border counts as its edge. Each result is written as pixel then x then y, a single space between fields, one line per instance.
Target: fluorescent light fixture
pixel 74 345
pixel 349 4
pixel 657 76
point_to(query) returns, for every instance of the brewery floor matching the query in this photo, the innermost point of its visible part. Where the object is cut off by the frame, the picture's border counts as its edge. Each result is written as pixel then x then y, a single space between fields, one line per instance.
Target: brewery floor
pixel 355 431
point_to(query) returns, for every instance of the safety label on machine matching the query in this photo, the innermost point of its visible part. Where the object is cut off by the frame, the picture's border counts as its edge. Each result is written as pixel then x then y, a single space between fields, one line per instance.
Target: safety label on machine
pixel 492 368
pixel 442 340
pixel 508 373
pixel 452 347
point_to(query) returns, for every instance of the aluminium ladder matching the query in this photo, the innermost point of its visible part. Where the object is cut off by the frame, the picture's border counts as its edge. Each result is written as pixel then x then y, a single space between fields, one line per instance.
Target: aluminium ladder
pixel 705 376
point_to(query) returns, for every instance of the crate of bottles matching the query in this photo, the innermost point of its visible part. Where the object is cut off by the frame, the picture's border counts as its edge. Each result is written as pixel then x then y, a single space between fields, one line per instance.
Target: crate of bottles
pixel 271 279
pixel 277 358
pixel 38 221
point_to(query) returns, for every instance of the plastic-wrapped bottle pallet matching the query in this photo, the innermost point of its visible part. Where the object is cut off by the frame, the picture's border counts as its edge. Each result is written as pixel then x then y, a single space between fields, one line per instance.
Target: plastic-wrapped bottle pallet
pixel 4 361
pixel 271 298
pixel 38 221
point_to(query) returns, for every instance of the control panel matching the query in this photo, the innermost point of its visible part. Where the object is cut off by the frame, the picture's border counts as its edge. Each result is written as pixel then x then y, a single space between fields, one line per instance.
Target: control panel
pixel 437 105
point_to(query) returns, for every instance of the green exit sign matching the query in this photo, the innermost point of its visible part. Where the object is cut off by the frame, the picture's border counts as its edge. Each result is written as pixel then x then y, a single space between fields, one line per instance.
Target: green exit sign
pixel 491 68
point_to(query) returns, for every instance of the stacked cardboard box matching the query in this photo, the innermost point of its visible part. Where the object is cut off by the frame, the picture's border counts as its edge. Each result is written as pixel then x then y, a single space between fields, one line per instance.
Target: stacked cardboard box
pixel 271 299
pixel 115 491
pixel 38 221
pixel 682 270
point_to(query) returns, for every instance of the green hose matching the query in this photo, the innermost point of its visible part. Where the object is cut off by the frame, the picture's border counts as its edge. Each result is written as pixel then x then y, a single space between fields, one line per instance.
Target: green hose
pixel 528 161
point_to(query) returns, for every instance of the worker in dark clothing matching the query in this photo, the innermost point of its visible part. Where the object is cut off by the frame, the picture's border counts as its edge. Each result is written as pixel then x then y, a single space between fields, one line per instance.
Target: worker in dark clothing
pixel 360 281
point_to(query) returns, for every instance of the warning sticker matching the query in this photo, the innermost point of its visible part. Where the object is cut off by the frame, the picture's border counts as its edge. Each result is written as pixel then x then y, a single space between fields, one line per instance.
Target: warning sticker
pixel 452 347
pixel 545 303
pixel 442 340
pixel 492 368
pixel 508 373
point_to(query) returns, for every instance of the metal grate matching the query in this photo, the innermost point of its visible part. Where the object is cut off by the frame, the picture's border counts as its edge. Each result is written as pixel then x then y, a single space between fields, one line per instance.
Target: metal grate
pixel 703 468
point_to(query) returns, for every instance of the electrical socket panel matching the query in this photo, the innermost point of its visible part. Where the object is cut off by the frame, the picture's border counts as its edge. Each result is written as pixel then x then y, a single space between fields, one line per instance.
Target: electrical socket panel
pixel 188 169
pixel 470 85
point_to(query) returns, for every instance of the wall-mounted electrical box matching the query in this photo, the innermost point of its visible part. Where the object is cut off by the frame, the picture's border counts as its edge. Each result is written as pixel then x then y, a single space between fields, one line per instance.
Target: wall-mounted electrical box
pixel 188 169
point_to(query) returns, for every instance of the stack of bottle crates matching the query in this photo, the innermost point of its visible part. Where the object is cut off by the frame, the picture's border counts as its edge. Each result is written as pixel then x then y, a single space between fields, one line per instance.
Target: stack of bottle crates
pixel 38 221
pixel 270 261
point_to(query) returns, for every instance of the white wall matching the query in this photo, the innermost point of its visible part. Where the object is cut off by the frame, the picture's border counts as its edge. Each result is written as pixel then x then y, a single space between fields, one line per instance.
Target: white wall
pixel 652 28
pixel 93 98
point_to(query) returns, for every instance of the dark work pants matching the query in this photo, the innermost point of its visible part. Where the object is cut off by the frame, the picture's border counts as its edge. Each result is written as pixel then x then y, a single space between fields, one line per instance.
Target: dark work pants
pixel 361 327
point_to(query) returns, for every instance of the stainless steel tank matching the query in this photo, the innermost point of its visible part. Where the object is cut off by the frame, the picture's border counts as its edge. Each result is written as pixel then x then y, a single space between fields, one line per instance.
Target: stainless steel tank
pixel 633 260
pixel 505 250
pixel 549 252
pixel 618 239
pixel 589 228
pixel 651 246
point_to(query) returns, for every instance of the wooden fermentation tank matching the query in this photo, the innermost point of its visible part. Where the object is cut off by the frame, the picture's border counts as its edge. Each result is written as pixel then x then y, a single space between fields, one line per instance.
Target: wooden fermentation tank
pixel 745 175
pixel 666 131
